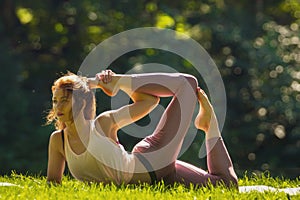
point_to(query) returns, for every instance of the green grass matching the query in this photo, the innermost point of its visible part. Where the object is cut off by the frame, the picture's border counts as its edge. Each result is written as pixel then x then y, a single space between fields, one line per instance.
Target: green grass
pixel 30 187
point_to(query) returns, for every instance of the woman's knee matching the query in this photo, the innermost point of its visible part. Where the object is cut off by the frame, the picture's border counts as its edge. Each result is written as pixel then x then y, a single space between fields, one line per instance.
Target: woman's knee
pixel 192 80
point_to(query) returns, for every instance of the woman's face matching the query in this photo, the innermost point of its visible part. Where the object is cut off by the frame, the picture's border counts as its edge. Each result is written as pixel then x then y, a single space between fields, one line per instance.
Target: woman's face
pixel 62 105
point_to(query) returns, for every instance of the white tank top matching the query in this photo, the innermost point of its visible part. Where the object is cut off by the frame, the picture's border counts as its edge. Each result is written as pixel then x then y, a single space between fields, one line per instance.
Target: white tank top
pixel 103 161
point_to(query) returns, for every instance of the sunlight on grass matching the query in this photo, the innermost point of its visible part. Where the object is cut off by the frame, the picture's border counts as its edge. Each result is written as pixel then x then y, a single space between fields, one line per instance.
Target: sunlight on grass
pixel 30 187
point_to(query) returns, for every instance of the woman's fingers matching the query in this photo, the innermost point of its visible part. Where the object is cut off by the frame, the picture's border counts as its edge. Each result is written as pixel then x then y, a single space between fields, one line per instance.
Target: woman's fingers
pixel 110 74
pixel 105 76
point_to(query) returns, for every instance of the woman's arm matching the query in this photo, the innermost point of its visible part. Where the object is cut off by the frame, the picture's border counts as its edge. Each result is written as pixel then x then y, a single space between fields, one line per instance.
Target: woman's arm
pixel 111 121
pixel 56 159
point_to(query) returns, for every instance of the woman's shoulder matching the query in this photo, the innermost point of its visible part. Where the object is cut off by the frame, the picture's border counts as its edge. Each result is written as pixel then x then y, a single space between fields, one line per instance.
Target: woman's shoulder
pixel 56 133
pixel 56 137
pixel 56 141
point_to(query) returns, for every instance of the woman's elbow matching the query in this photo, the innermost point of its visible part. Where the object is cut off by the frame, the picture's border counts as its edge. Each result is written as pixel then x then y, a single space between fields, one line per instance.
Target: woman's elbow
pixel 153 100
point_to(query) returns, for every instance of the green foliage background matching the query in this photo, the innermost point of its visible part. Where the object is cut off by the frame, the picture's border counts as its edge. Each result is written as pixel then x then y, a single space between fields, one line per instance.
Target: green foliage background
pixel 255 45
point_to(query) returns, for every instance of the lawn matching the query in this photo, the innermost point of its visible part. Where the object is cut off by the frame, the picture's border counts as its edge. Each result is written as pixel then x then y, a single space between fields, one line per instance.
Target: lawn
pixel 30 187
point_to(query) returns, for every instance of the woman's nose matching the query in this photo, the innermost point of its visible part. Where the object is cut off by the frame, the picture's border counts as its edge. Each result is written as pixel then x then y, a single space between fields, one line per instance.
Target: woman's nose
pixel 57 106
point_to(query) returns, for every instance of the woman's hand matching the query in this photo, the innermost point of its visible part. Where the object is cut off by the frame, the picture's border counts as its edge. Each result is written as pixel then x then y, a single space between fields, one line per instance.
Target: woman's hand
pixel 106 81
pixel 105 76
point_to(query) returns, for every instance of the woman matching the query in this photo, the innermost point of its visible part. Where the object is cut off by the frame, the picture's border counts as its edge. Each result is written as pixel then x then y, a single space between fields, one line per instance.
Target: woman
pixel 90 145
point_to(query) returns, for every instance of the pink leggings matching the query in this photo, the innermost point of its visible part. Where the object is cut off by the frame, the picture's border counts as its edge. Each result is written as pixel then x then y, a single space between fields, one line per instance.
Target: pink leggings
pixel 161 149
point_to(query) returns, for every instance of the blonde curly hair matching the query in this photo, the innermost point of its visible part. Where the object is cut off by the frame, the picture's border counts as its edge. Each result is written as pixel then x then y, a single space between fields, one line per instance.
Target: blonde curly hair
pixel 77 86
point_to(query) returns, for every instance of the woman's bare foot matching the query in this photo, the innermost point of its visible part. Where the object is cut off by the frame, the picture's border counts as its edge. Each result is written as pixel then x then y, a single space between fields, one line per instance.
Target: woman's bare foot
pixel 202 121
